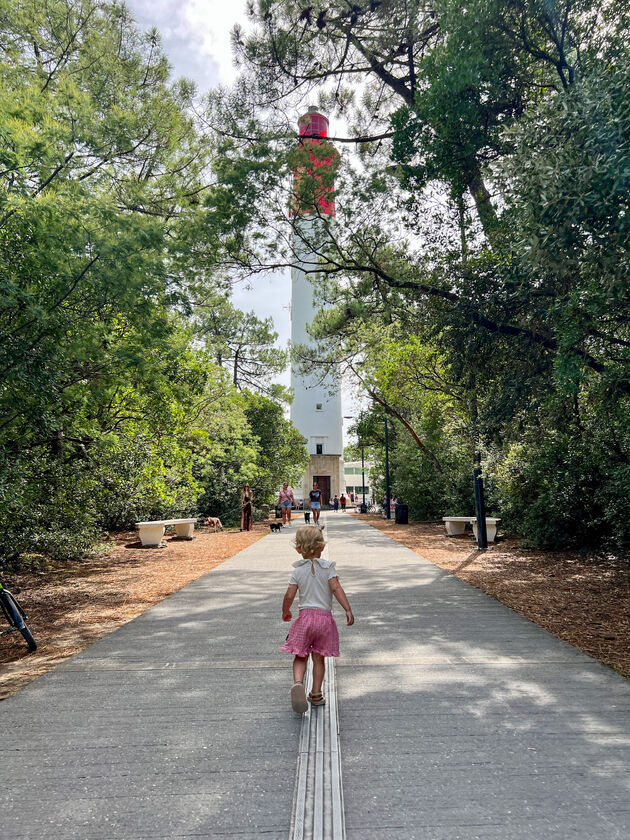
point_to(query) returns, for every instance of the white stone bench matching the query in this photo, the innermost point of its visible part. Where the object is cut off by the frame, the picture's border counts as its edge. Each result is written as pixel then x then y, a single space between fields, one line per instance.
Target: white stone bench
pixel 151 533
pixel 457 525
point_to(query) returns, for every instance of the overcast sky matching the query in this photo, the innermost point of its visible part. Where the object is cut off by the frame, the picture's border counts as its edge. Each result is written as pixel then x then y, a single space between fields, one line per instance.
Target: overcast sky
pixel 196 39
pixel 195 35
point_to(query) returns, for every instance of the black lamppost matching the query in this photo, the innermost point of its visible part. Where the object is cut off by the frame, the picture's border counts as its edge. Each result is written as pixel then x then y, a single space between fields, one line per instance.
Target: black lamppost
pixel 480 505
pixel 363 506
pixel 388 512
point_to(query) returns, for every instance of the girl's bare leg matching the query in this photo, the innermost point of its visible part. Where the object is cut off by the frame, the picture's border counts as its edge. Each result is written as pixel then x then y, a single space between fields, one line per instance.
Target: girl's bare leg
pixel 319 669
pixel 299 668
pixel 284 516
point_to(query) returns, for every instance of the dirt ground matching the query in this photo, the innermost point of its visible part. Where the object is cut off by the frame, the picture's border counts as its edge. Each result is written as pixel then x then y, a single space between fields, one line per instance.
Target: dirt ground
pixel 581 598
pixel 70 606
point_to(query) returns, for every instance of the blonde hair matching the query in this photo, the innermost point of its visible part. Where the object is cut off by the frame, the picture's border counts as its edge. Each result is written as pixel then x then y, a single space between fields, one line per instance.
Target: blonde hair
pixel 309 540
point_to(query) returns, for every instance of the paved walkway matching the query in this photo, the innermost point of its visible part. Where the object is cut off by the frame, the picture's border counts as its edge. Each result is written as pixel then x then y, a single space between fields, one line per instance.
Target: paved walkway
pixel 459 719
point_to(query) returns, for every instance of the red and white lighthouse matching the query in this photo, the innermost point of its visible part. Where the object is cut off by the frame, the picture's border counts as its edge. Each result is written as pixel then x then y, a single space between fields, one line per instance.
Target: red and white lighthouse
pixel 316 409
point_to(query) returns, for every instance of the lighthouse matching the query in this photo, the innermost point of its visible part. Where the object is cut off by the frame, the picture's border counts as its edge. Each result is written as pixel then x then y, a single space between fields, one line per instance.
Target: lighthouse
pixel 316 407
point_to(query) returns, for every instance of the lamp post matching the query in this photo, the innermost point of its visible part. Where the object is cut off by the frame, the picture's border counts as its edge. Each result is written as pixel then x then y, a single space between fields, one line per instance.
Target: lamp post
pixel 480 505
pixel 363 505
pixel 388 512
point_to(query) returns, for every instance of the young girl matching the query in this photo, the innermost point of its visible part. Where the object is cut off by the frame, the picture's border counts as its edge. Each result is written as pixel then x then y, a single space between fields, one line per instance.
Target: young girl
pixel 314 631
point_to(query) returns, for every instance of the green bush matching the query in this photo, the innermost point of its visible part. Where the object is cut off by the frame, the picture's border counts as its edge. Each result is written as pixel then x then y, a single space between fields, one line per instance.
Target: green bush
pixel 565 489
pixel 60 508
pixel 47 508
pixel 432 494
pixel 141 478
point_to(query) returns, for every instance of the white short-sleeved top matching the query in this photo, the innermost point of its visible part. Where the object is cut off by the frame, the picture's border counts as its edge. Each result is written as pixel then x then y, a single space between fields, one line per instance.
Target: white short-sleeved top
pixel 313 589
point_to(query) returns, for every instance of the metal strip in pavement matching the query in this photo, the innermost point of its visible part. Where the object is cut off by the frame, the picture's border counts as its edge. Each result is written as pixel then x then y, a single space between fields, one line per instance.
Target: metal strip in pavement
pixel 336 784
pixel 318 800
pixel 299 797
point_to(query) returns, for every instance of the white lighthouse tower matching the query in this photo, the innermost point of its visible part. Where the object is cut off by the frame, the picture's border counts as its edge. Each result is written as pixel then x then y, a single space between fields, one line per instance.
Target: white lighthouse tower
pixel 316 408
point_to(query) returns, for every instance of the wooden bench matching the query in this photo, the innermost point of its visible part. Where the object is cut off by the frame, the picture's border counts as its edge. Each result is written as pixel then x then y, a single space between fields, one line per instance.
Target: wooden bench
pixel 151 533
pixel 457 525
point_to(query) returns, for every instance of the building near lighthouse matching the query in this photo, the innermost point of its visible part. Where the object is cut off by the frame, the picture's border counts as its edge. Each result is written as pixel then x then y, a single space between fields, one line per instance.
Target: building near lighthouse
pixel 316 409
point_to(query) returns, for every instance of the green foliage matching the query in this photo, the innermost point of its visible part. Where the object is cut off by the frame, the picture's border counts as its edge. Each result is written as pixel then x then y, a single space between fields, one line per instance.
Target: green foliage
pixel 282 449
pixel 504 328
pixel 567 194
pixel 115 211
pixel 569 485
pixel 244 344
pixel 244 439
pixel 415 481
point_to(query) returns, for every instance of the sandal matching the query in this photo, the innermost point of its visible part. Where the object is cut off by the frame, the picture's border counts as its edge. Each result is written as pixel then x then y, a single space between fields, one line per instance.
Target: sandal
pixel 316 699
pixel 298 698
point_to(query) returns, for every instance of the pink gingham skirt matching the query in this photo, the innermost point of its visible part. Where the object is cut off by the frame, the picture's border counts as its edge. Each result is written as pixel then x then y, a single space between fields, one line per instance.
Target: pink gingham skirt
pixel 313 631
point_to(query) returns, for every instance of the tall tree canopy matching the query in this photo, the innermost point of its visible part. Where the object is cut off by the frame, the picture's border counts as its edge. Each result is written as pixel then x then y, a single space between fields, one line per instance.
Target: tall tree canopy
pixel 486 218
pixel 113 216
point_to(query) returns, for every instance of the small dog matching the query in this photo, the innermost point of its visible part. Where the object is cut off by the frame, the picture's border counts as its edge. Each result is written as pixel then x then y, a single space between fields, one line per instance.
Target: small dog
pixel 307 516
pixel 275 527
pixel 213 522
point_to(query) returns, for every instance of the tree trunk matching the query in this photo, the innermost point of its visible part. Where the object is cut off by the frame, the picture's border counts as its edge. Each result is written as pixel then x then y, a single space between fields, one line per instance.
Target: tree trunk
pixel 481 197
pixel 432 457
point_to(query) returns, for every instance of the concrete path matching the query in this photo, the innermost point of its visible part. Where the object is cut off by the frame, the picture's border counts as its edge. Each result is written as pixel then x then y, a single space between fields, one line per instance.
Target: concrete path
pixel 461 719
pixel 458 718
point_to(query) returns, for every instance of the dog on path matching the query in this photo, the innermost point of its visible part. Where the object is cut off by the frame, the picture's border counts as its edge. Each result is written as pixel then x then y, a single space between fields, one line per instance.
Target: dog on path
pixel 307 516
pixel 213 522
pixel 275 527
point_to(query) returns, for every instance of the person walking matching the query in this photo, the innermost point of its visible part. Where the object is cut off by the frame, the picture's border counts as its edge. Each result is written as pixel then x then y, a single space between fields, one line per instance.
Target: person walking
pixel 336 504
pixel 314 632
pixel 342 502
pixel 315 502
pixel 247 498
pixel 286 500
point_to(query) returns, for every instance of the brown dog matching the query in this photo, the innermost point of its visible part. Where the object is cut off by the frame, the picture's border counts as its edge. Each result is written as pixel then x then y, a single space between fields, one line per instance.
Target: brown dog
pixel 213 522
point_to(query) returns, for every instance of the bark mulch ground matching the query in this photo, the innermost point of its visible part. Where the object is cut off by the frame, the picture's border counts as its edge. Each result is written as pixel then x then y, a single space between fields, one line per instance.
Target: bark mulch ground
pixel 581 598
pixel 72 605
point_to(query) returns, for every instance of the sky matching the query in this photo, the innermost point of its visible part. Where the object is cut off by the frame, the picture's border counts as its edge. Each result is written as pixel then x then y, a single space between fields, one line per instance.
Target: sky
pixel 196 39
pixel 195 35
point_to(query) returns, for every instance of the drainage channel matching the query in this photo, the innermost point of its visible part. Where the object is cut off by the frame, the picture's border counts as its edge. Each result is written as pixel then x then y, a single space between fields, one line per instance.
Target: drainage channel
pixel 318 799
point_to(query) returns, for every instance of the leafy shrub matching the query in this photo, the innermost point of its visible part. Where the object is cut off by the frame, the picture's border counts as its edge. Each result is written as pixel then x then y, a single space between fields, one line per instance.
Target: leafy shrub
pixel 565 489
pixel 47 508
pixel 59 508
